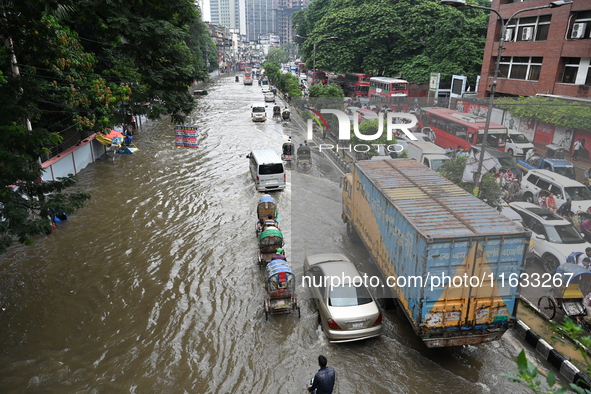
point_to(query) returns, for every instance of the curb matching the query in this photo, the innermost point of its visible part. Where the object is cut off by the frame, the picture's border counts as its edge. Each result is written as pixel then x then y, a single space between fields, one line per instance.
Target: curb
pixel 567 369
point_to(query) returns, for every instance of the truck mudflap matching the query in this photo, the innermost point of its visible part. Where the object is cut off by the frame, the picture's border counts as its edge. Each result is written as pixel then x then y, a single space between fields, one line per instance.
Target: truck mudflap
pixel 465 337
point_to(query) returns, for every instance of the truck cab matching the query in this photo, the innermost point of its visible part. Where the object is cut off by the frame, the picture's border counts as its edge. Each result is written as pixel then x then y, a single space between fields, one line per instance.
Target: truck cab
pixel 427 153
pixel 553 161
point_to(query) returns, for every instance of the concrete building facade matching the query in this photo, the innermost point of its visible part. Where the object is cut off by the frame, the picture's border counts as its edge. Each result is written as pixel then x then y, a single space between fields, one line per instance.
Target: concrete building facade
pixel 547 51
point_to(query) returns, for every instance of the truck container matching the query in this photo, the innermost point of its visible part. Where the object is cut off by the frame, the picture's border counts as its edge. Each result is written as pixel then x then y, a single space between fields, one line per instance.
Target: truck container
pixel 421 229
pixel 427 153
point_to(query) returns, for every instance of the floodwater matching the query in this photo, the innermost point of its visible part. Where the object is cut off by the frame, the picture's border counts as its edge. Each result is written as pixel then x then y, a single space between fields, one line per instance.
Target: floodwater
pixel 153 288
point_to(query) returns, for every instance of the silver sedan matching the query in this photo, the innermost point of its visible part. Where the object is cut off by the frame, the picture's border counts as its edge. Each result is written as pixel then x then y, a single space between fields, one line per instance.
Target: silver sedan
pixel 347 311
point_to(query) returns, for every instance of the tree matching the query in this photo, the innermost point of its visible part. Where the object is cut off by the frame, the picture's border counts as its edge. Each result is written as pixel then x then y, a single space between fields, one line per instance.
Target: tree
pixel 405 38
pixel 330 90
pixel 490 191
pixel 277 55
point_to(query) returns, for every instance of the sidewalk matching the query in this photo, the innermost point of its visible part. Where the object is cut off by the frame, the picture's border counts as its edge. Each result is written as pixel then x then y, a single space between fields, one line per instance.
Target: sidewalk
pixel 581 164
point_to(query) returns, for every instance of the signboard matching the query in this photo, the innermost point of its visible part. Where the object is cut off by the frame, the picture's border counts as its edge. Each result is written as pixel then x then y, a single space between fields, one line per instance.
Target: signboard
pixel 434 82
pixel 186 136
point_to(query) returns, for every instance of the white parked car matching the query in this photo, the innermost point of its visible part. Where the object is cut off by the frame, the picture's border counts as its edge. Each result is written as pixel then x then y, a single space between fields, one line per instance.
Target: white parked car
pixel 562 187
pixel 554 237
pixel 517 144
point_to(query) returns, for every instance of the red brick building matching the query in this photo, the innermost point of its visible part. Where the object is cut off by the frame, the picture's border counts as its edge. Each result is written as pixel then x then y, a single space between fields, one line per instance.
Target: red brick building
pixel 547 51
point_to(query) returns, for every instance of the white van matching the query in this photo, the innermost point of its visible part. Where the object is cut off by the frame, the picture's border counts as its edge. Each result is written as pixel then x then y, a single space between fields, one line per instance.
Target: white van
pixel 258 112
pixel 517 144
pixel 266 168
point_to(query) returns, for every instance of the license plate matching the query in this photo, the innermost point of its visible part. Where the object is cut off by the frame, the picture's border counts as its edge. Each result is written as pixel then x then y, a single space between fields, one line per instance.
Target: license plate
pixel 357 325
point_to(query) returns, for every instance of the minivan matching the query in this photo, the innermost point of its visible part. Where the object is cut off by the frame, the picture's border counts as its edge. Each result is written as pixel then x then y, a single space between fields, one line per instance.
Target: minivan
pixel 517 144
pixel 562 188
pixel 266 168
pixel 259 112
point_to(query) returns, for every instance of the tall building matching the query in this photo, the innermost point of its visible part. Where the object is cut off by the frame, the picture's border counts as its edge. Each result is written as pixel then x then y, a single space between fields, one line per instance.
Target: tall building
pixel 227 13
pixel 260 18
pixel 547 51
pixel 284 12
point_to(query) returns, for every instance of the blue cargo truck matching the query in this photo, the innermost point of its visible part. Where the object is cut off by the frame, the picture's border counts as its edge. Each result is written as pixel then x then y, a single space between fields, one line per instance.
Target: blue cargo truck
pixel 447 259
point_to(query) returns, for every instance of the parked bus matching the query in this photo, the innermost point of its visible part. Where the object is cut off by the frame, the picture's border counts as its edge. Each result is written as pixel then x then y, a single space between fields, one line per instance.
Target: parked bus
pixel 357 85
pixel 391 92
pixel 453 129
pixel 315 77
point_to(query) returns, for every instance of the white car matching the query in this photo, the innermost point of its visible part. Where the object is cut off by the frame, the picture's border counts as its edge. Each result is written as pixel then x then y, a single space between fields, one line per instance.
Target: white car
pixel 534 181
pixel 346 311
pixel 517 144
pixel 554 237
pixel 269 97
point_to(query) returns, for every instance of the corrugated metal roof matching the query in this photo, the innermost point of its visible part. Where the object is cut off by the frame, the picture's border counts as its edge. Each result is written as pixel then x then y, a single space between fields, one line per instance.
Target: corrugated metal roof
pixel 435 206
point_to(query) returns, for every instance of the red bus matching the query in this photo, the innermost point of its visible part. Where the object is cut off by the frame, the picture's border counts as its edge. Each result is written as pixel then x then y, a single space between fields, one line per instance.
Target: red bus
pixel 357 85
pixel 453 129
pixel 392 92
pixel 241 66
pixel 337 79
pixel 315 77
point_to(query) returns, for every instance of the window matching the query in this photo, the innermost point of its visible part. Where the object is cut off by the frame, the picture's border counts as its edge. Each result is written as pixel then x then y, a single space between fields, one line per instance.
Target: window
pixel 577 70
pixel 520 67
pixel 531 28
pixel 537 227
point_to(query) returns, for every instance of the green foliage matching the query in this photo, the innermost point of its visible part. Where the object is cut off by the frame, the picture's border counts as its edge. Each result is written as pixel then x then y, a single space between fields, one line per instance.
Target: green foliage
pixel 132 53
pixel 407 38
pixel 561 113
pixel 277 55
pixel 490 191
pixel 286 83
pixel 528 376
pixel 330 90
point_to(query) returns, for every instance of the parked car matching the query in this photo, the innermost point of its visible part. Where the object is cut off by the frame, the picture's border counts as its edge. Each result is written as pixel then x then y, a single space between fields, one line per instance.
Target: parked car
pixel 517 144
pixel 562 187
pixel 554 237
pixel 347 312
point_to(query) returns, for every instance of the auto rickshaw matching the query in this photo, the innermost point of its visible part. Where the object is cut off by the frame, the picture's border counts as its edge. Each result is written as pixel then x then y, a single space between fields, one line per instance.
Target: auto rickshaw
pixel 567 299
pixel 281 296
pixel 265 208
pixel 285 115
pixel 304 157
pixel 287 151
pixel 270 239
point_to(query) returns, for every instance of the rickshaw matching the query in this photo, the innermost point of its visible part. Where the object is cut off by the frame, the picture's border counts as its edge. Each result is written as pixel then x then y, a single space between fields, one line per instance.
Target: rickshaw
pixel 304 156
pixel 280 286
pixel 276 111
pixel 567 298
pixel 265 208
pixel 285 115
pixel 270 239
pixel 287 152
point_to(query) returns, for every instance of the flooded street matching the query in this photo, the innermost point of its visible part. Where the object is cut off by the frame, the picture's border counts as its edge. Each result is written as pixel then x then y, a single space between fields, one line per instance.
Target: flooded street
pixel 153 288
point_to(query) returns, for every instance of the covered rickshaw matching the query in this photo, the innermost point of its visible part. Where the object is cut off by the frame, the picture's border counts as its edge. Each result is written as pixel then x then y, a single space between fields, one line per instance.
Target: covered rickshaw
pixel 304 156
pixel 571 284
pixel 270 239
pixel 285 115
pixel 287 151
pixel 265 208
pixel 280 285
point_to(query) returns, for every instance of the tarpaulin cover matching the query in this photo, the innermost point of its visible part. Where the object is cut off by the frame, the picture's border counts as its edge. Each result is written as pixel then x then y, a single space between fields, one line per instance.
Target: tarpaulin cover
pixel 267 198
pixel 271 232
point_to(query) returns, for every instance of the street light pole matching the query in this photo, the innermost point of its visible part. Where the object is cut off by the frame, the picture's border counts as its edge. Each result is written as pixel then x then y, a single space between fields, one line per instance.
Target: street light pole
pixel 493 87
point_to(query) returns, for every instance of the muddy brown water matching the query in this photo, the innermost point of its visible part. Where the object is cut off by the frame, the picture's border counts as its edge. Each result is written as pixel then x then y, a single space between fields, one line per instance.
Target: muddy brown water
pixel 153 287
